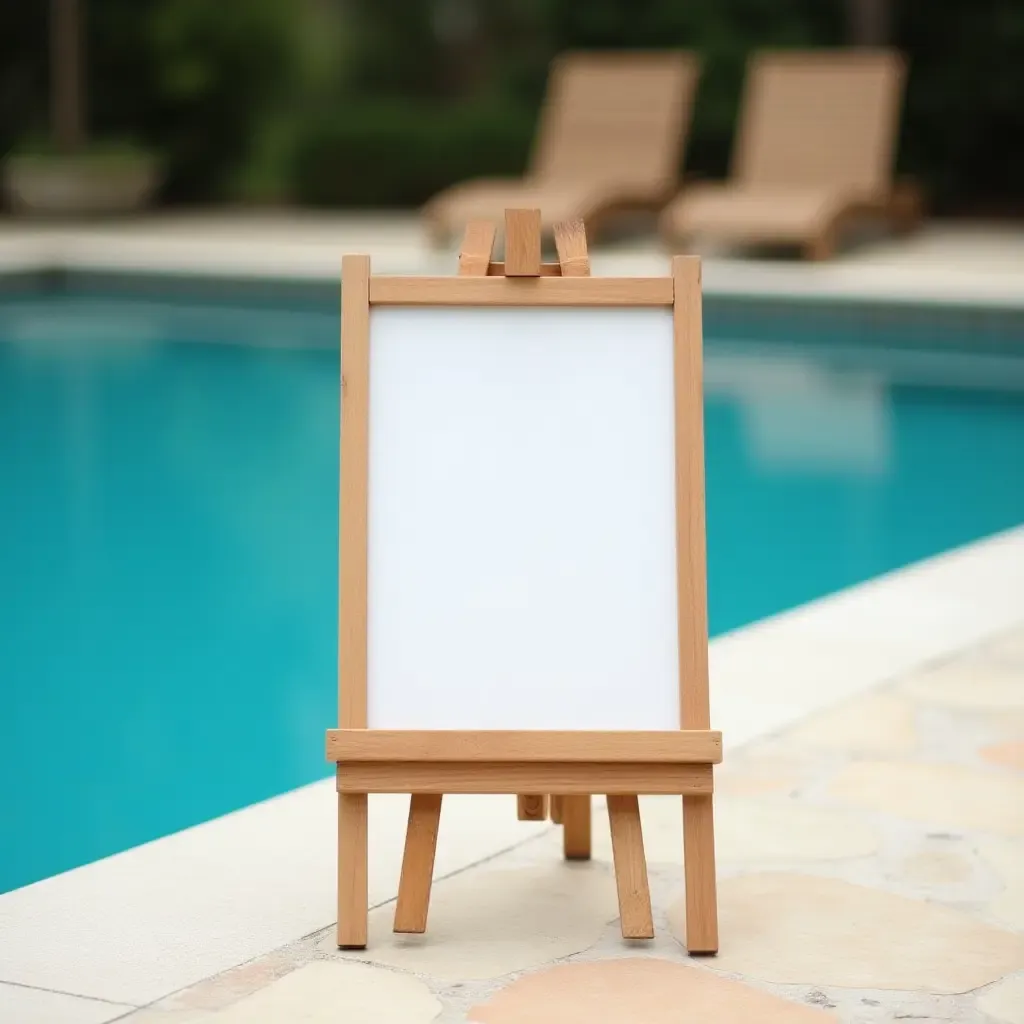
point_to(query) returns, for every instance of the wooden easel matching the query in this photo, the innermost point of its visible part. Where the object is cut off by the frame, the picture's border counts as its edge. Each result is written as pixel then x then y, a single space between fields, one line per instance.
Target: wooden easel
pixel 552 773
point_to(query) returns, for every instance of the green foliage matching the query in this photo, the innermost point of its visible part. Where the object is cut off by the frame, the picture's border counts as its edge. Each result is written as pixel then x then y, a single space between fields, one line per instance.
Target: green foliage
pixel 219 69
pixel 964 120
pixel 386 101
pixel 113 153
pixel 395 154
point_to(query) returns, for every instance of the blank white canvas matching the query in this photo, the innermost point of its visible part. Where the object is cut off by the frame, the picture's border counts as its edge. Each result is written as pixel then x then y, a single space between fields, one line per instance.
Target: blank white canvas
pixel 522 554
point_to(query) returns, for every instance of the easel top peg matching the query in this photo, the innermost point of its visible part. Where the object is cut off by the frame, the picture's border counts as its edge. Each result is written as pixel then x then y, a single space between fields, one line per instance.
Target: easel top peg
pixel 523 248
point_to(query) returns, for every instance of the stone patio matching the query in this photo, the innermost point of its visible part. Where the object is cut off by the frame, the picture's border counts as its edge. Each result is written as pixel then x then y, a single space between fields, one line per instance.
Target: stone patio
pixel 871 868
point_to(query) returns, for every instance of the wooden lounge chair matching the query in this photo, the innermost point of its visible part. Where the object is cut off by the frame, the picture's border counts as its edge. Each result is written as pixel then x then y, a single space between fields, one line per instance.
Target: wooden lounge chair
pixel 610 138
pixel 814 151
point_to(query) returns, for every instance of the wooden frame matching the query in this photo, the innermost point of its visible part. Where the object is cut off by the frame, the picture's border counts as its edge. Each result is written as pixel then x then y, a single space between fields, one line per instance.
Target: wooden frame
pixel 534 765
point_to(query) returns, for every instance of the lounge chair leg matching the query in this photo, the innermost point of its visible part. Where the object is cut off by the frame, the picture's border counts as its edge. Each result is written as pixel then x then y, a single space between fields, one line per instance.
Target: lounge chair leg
pixel 906 208
pixel 821 247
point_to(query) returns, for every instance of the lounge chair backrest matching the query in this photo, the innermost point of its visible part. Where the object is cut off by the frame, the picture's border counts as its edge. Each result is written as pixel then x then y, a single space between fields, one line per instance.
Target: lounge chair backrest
pixel 820 118
pixel 618 118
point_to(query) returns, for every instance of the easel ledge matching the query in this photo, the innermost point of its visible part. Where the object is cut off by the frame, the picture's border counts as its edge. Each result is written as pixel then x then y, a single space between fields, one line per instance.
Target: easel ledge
pixel 493 761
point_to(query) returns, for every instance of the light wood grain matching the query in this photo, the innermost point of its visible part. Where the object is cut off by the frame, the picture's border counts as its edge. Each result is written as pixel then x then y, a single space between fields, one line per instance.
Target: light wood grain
pixel 699 869
pixel 571 245
pixel 630 867
pixel 353 904
pixel 418 863
pixel 522 243
pixel 694 701
pixel 353 891
pixel 677 746
pixel 574 812
pixel 475 251
pixel 528 291
pixel 576 827
pixel 555 809
pixel 355 453
pixel 510 777
pixel 497 269
pixel 691 565
pixel 531 807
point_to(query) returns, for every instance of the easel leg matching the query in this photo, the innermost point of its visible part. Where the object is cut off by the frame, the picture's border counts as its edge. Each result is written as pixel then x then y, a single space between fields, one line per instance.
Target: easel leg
pixel 699 865
pixel 353 893
pixel 532 807
pixel 555 809
pixel 575 827
pixel 630 868
pixel 418 863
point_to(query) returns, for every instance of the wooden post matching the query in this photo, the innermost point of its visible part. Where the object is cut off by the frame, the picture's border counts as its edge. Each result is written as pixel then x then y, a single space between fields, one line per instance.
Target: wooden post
pixel 573 811
pixel 637 921
pixel 691 568
pixel 522 243
pixel 353 893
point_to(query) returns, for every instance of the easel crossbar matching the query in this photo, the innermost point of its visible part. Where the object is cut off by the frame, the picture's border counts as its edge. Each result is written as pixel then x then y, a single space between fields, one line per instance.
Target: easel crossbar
pixel 677 746
pixel 563 777
pixel 385 290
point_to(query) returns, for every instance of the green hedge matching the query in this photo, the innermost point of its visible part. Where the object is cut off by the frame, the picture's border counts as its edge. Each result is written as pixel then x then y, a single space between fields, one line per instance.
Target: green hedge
pixel 400 154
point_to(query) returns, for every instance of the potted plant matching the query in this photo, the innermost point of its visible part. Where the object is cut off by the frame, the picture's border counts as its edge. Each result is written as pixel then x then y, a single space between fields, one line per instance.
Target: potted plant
pixel 65 173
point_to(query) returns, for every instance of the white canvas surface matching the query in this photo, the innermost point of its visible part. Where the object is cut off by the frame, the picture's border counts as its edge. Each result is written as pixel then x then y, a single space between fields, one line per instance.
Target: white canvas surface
pixel 522 570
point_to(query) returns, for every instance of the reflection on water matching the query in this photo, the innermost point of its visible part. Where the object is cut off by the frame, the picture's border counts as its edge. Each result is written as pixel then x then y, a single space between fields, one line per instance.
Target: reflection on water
pixel 168 540
pixel 800 416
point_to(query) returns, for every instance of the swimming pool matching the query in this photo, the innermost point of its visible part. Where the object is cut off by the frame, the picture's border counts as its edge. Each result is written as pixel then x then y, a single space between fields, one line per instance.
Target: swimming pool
pixel 168 530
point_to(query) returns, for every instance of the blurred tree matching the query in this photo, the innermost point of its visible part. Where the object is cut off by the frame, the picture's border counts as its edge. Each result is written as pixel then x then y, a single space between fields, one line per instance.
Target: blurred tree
pixel 868 22
pixel 219 67
pixel 67 75
pixel 231 92
pixel 23 88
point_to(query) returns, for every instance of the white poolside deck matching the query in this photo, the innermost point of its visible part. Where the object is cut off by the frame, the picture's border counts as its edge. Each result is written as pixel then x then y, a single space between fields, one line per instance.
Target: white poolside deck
pixel 150 933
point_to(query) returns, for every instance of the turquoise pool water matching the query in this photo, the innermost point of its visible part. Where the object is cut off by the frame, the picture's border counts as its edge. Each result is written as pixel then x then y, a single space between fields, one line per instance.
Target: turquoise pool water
pixel 168 535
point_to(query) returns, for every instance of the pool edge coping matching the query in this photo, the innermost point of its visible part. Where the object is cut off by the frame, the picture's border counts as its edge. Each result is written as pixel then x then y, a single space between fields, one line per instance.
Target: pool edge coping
pixel 897 287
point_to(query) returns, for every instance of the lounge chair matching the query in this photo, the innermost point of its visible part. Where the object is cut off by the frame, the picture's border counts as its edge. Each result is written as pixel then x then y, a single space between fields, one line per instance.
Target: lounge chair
pixel 814 151
pixel 610 138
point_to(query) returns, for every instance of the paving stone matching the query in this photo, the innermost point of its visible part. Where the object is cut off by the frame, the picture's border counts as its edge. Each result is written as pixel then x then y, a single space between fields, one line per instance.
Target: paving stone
pixel 875 724
pixel 972 683
pixel 485 924
pixel 325 992
pixel 946 795
pixel 1005 1001
pixel 22 1005
pixel 641 990
pixel 747 830
pixel 1007 860
pixel 935 867
pixel 1006 755
pixel 755 776
pixel 799 929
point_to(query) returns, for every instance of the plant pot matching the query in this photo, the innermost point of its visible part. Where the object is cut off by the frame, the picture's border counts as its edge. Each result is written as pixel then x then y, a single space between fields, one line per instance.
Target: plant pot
pixel 79 185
